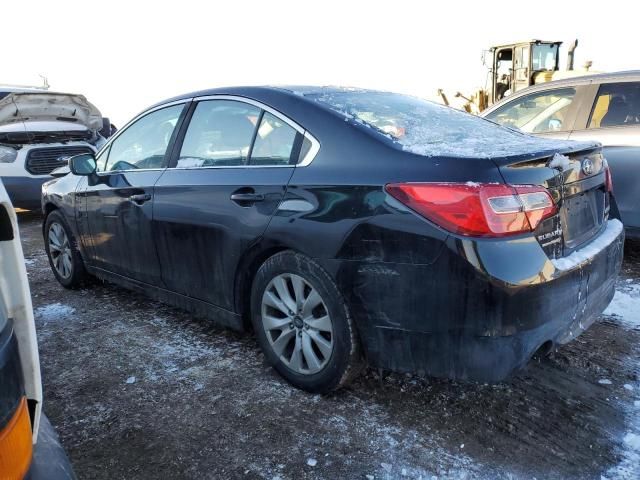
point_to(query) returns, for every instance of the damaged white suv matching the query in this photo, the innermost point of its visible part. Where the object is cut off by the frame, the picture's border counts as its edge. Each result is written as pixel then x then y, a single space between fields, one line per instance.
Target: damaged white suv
pixel 39 131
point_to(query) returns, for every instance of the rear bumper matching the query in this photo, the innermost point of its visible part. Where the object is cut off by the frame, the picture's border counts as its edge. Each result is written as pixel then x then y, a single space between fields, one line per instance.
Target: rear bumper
pixel 480 311
pixel 25 192
pixel 50 461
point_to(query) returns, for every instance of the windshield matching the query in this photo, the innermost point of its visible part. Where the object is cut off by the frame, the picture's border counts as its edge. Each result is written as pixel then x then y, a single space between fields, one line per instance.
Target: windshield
pixel 426 128
pixel 544 57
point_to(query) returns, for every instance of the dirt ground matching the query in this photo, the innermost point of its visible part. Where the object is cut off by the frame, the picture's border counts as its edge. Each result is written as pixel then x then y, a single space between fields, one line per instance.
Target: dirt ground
pixel 139 390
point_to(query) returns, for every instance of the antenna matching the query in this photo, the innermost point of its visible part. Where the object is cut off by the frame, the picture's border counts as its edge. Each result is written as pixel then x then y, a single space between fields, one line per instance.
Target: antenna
pixel 45 82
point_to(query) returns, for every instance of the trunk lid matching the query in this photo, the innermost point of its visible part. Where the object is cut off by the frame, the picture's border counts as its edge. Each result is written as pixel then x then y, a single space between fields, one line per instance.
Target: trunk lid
pixel 575 177
pixel 23 107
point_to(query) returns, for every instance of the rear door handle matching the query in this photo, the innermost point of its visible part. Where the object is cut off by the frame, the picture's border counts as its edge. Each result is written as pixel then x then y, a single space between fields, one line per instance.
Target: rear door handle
pixel 247 197
pixel 141 198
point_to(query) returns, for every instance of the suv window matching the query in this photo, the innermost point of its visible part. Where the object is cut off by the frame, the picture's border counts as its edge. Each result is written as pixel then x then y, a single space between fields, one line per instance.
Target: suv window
pixel 274 142
pixel 219 134
pixel 144 143
pixel 538 112
pixel 617 104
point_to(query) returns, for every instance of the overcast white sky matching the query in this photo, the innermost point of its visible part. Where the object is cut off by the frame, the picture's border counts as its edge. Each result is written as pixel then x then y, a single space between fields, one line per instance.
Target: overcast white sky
pixel 133 54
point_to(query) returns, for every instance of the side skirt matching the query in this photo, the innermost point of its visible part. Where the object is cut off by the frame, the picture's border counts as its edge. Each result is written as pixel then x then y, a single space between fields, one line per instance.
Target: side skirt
pixel 220 316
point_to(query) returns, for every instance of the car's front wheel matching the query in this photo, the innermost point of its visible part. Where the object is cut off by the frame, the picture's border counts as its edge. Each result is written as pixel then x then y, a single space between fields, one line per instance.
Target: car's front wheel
pixel 64 256
pixel 303 324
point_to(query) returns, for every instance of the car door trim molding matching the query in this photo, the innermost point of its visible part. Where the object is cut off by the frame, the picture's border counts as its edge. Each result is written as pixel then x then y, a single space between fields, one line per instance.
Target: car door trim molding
pixel 308 158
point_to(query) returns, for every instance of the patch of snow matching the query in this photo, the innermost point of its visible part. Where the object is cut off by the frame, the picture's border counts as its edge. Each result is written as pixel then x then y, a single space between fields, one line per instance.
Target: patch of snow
pixel 633 440
pixel 629 467
pixel 625 305
pixel 562 162
pixel 433 130
pixel 582 255
pixel 29 261
pixel 312 462
pixel 370 477
pixel 54 311
pixel 131 380
pixel 604 381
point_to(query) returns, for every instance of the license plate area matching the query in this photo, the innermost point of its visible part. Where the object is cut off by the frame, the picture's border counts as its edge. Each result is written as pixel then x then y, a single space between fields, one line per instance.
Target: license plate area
pixel 582 216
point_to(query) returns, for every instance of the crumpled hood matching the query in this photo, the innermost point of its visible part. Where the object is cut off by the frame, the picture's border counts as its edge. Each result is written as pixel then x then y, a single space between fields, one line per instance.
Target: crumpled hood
pixel 49 106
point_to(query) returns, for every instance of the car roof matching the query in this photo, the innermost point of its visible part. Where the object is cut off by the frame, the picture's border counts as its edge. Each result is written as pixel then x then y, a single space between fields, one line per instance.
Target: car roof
pixel 597 78
pixel 259 92
pixel 625 76
pixel 533 40
pixel 4 89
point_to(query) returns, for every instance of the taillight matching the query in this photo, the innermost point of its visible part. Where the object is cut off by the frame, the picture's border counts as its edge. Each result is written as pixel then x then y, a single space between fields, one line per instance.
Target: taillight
pixel 479 210
pixel 608 180
pixel 16 449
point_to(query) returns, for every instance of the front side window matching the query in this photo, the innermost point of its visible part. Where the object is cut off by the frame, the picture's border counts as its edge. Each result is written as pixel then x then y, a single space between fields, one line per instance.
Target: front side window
pixel 220 134
pixel 144 143
pixel 617 104
pixel 274 142
pixel 537 113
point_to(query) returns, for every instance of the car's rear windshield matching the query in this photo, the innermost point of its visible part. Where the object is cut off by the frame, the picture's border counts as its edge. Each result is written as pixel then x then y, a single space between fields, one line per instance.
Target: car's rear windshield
pixel 426 128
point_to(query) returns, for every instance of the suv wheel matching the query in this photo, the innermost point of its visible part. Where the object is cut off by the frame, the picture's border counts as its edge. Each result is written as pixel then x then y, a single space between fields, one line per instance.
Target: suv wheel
pixel 303 324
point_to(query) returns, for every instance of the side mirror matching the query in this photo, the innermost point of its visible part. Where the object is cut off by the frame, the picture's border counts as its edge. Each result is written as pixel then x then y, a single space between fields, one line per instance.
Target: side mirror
pixel 83 164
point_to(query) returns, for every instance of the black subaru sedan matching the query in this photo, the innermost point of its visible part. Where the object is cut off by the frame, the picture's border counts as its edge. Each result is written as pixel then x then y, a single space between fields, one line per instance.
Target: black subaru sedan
pixel 347 227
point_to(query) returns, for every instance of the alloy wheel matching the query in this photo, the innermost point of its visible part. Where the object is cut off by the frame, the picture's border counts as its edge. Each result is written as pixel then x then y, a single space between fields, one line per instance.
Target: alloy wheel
pixel 297 324
pixel 60 250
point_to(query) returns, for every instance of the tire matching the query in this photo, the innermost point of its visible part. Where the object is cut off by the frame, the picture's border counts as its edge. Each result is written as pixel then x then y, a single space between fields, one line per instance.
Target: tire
pixel 295 342
pixel 62 250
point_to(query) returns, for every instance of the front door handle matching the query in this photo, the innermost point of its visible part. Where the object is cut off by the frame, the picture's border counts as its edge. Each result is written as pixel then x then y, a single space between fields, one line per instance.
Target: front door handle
pixel 141 198
pixel 247 197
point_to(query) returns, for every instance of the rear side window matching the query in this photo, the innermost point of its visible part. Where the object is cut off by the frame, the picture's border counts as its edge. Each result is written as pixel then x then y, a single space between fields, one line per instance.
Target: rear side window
pixel 220 134
pixel 144 143
pixel 275 142
pixel 617 104
pixel 537 113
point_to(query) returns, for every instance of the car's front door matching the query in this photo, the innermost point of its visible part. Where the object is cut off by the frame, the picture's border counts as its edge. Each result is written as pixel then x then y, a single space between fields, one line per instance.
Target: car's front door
pixel 613 119
pixel 117 204
pixel 231 166
pixel 549 113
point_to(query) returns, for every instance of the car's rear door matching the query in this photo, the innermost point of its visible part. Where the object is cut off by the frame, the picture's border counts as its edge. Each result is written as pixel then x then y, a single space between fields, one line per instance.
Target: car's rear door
pixel 117 204
pixel 230 169
pixel 612 117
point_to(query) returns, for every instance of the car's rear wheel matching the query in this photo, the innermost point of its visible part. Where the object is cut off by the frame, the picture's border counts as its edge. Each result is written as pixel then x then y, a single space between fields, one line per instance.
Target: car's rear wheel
pixel 62 250
pixel 303 324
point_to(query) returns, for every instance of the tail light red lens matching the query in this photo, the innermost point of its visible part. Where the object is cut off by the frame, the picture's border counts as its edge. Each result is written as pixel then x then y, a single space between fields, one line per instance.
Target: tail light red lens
pixel 479 210
pixel 608 180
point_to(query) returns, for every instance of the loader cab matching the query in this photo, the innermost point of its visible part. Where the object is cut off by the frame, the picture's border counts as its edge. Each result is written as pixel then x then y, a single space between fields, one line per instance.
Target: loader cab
pixel 516 65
